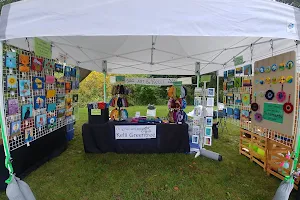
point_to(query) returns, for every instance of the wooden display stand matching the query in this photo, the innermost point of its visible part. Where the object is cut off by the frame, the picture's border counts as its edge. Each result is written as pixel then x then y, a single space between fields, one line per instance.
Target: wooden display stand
pixel 276 157
pixel 249 142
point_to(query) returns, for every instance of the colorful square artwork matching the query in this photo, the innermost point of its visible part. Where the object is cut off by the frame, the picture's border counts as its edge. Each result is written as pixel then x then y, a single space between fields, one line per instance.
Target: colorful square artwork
pixel 12 106
pixel 40 120
pixel 75 98
pixel 24 88
pixel 51 121
pixel 11 60
pixel 51 107
pixel 224 85
pixel 237 82
pixel 28 135
pixel 246 99
pixel 60 99
pixel 245 115
pixel 248 70
pixel 238 70
pixel 49 64
pixel 67 71
pixel 69 113
pixel 73 72
pixel 50 79
pixel 61 113
pixel 27 111
pixel 59 68
pixel 68 87
pixel 15 128
pixel 39 102
pixel 247 82
pixel 24 63
pixel 51 93
pixel 37 64
pixel 60 84
pixel 11 82
pixel 207 141
pixel 68 103
pixel 230 73
pixel 208 131
pixel 38 83
pixel 209 121
pixel 225 75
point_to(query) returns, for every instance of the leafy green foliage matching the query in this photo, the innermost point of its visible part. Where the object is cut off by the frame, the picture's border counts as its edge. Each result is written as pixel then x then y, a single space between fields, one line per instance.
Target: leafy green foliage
pixel 91 90
pixel 295 3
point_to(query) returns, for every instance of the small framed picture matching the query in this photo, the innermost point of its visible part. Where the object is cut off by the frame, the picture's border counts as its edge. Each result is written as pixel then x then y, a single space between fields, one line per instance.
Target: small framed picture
pixel 210 111
pixel 210 102
pixel 209 121
pixel 210 92
pixel 195 139
pixel 207 141
pixel 208 131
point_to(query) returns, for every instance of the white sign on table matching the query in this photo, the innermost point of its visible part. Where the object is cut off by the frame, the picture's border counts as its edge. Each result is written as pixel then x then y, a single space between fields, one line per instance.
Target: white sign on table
pixel 123 132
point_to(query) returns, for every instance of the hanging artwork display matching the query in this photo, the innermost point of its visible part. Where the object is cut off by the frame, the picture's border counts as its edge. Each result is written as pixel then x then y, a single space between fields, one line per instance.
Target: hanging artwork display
pixel 275 108
pixel 39 102
pixel 248 70
pixel 11 82
pixel 24 88
pixel 15 128
pixel 34 98
pixel 11 60
pixel 38 83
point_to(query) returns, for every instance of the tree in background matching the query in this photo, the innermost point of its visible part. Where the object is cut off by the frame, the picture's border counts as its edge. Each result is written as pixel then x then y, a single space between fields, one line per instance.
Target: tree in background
pixel 91 90
pixel 295 3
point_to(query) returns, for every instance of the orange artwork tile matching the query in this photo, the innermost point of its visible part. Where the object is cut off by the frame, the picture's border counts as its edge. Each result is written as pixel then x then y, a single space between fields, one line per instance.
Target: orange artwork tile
pixel 24 63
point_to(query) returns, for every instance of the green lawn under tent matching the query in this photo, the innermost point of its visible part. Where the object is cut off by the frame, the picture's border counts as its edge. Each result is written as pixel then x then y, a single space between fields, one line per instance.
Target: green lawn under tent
pixel 77 175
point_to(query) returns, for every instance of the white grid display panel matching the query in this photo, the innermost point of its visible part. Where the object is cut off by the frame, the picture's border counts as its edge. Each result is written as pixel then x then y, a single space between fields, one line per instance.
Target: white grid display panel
pixel 18 140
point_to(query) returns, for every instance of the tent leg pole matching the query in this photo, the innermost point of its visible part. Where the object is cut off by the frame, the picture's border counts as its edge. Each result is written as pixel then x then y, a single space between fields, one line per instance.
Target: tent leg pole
pixel 104 88
pixel 217 97
pixel 198 79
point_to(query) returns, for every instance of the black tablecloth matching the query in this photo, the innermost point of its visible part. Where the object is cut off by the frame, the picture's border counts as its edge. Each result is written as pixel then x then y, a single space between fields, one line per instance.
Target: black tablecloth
pixel 100 138
pixel 26 159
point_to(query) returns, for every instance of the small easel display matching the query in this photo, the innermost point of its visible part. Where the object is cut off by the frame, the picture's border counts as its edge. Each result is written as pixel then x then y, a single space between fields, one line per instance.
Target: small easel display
pixel 177 103
pixel 119 101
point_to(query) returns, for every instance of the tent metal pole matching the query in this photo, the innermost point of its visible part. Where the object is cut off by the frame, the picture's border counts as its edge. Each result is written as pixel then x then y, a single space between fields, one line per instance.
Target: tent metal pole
pixel 2 99
pixel 217 96
pixel 104 87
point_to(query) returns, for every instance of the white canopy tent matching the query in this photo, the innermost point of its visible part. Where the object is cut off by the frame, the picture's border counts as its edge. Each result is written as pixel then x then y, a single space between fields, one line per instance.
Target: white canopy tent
pixel 153 37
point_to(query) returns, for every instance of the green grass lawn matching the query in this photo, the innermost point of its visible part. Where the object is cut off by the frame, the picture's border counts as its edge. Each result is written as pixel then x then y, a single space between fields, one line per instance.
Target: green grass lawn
pixel 76 175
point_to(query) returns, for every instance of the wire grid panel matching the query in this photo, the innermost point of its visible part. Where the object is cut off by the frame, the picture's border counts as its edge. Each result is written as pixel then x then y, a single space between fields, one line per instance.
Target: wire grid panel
pixel 18 140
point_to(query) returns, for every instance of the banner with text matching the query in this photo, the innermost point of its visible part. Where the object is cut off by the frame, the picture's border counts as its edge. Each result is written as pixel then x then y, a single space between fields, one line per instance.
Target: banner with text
pixel 125 132
pixel 150 81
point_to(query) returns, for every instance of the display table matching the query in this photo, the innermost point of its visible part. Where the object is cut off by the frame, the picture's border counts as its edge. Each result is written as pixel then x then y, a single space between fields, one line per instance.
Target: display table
pixel 101 138
pixel 27 159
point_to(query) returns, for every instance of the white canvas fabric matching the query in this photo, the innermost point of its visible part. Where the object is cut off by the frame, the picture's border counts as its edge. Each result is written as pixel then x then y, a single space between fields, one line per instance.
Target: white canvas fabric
pixel 152 36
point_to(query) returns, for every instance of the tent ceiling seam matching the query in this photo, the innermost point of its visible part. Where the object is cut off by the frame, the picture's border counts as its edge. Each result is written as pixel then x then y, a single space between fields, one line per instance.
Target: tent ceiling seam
pixel 243 50
pixel 125 66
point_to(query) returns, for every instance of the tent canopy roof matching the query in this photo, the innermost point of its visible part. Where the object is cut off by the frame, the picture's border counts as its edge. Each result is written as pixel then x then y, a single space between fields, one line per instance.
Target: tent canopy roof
pixel 152 36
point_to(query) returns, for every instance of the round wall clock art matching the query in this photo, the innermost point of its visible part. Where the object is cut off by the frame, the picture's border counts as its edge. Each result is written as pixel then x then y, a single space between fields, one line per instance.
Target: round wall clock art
pixel 274 67
pixel 269 95
pixel 289 64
